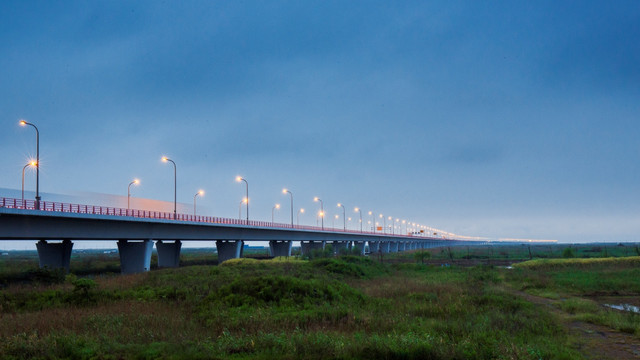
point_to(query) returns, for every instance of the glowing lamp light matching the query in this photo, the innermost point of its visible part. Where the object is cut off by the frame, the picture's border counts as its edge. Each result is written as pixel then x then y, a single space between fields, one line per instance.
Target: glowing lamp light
pixel 165 159
pixel 302 211
pixel 277 206
pixel 23 123
pixel 284 191
pixel 201 192
pixel 238 178
pixel 315 199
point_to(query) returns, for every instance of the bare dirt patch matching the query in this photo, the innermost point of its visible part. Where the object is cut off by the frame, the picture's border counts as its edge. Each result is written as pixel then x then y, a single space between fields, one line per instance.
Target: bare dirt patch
pixel 594 341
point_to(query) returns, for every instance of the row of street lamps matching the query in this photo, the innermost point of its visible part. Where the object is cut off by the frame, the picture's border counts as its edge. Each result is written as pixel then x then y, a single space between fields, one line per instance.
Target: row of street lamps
pixel 36 164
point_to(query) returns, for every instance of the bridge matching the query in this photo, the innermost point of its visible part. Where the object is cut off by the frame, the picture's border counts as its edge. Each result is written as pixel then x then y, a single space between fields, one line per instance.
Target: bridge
pixel 55 225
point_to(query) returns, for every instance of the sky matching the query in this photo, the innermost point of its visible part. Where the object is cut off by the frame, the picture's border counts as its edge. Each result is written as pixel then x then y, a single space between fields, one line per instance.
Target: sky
pixel 497 119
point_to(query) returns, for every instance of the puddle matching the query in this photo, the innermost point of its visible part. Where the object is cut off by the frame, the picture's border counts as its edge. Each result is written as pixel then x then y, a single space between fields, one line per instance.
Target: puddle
pixel 624 307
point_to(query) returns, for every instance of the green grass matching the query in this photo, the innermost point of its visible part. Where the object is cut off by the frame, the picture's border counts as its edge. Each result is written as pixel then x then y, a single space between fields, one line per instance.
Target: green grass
pixel 343 308
pixel 575 282
pixel 349 307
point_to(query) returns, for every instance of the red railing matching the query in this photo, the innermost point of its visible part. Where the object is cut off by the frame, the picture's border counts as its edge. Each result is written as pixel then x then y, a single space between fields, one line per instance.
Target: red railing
pixel 147 214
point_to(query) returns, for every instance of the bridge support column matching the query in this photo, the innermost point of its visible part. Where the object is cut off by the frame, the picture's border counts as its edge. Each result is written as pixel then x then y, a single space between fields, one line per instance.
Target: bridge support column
pixel 340 247
pixel 280 248
pixel 385 246
pixel 374 247
pixel 402 246
pixel 135 257
pixel 168 253
pixel 307 246
pixel 359 245
pixel 393 246
pixel 229 249
pixel 55 255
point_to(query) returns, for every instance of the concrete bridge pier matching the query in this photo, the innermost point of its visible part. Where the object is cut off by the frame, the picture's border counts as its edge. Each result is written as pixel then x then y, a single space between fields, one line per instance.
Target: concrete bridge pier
pixel 280 248
pixel 393 246
pixel 307 246
pixel 135 256
pixel 229 249
pixel 385 246
pixel 374 247
pixel 360 246
pixel 168 253
pixel 402 246
pixel 55 255
pixel 340 247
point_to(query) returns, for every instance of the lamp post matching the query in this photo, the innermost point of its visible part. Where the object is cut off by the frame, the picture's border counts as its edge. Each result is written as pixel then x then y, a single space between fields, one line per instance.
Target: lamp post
pixel 201 193
pixel 316 199
pixel 373 220
pixel 246 196
pixel 284 191
pixel 136 182
pixel 344 219
pixel 277 206
pixel 384 223
pixel 359 211
pixel 393 231
pixel 23 123
pixel 333 221
pixel 405 226
pixel 240 208
pixel 301 211
pixel 32 163
pixel 175 186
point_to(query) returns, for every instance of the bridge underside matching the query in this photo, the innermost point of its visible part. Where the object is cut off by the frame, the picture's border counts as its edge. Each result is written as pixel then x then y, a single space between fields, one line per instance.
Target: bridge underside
pixel 56 231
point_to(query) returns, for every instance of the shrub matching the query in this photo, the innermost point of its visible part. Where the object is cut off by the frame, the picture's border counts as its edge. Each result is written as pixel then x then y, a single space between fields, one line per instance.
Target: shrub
pixel 422 255
pixel 568 253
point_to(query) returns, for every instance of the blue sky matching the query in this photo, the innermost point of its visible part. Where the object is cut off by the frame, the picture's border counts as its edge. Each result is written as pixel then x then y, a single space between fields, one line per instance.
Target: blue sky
pixel 497 119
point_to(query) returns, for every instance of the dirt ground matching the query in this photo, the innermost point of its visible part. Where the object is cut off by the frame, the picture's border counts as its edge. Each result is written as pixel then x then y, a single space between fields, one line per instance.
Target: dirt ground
pixel 595 341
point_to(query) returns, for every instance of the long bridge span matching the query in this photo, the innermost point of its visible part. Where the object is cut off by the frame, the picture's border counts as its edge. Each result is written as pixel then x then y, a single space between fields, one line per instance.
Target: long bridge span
pixel 55 226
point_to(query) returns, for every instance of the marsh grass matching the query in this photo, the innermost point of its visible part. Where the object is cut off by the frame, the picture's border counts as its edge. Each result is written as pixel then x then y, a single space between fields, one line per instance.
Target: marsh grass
pixel 344 308
pixel 574 282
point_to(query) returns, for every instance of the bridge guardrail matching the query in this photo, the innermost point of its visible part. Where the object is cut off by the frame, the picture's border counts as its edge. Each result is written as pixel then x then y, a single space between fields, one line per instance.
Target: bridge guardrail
pixel 147 214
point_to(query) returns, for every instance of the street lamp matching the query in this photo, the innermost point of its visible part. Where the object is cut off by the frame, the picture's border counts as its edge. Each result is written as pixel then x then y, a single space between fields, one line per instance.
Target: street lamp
pixel 344 220
pixel 373 221
pixel 384 223
pixel 359 211
pixel 393 231
pixel 31 163
pixel 23 123
pixel 284 191
pixel 333 221
pixel 175 186
pixel 201 193
pixel 301 211
pixel 136 182
pixel 277 206
pixel 238 179
pixel 316 199
pixel 244 200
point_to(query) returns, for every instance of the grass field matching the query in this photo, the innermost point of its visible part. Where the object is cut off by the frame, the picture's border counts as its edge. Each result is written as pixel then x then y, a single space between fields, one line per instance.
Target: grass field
pixel 343 308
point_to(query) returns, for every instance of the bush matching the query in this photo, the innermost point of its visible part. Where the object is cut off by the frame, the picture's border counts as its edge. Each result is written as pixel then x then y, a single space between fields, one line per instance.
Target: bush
pixel 422 255
pixel 568 253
